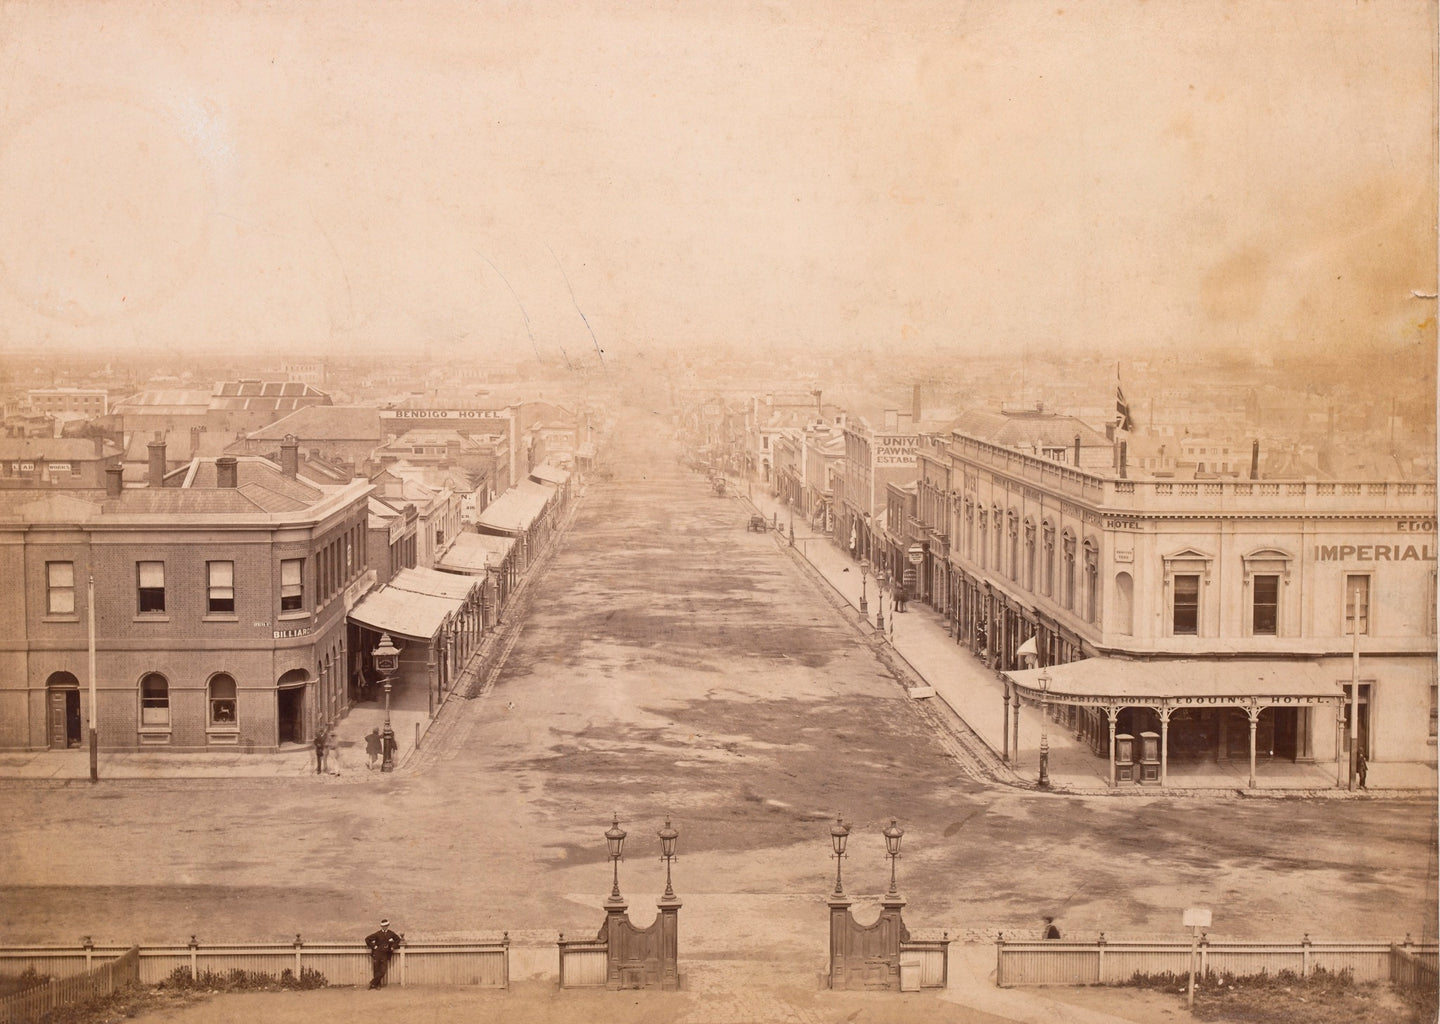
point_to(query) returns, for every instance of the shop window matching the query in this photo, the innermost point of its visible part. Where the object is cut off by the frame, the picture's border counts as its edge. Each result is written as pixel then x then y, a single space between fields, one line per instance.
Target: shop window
pixel 60 588
pixel 1186 606
pixel 292 587
pixel 1265 608
pixel 151 586
pixel 222 700
pixel 220 596
pixel 1357 605
pixel 154 700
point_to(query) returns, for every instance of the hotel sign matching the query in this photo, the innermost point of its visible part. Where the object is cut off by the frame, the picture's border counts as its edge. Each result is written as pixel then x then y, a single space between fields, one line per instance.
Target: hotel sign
pixel 445 414
pixel 1373 553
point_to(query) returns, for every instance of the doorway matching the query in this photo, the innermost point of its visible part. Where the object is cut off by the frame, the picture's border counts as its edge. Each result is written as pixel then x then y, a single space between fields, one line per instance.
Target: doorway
pixel 63 713
pixel 290 707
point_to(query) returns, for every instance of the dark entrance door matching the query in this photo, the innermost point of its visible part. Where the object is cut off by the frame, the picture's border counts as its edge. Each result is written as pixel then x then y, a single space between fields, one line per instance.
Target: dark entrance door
pixel 64 717
pixel 291 714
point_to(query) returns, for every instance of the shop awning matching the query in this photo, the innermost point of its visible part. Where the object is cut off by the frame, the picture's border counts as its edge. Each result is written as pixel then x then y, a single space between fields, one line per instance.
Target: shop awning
pixel 437 584
pixel 1184 682
pixel 474 553
pixel 517 508
pixel 404 613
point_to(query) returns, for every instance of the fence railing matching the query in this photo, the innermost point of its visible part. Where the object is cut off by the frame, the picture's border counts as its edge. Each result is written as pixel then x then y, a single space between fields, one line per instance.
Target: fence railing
pixel 34 1003
pixel 417 962
pixel 1409 969
pixel 934 958
pixel 584 963
pixel 1114 962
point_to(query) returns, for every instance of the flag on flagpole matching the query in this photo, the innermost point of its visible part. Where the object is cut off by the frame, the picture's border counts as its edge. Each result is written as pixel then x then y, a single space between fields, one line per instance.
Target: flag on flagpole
pixel 1122 407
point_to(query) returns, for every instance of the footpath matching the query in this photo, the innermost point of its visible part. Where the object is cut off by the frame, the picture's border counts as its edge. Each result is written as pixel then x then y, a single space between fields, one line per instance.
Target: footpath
pixel 923 641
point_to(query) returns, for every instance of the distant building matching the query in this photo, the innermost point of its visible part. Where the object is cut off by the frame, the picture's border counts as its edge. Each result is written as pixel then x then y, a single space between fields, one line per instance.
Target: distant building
pixel 87 402
pixel 56 463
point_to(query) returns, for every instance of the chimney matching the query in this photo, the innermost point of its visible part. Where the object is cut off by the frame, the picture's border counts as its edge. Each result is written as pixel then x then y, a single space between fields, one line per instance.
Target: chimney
pixel 114 481
pixel 226 471
pixel 891 419
pixel 1255 460
pixel 915 405
pixel 156 476
pixel 1077 451
pixel 290 456
pixel 99 440
pixel 1122 460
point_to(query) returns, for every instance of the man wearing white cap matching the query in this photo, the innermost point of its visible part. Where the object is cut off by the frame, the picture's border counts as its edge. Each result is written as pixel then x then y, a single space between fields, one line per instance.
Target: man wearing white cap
pixel 382 944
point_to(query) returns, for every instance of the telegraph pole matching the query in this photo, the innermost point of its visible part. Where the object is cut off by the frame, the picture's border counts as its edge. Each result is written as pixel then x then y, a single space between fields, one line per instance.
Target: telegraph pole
pixel 94 736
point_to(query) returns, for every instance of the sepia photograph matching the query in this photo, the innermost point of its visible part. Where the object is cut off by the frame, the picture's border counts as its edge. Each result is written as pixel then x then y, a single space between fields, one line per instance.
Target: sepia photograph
pixel 757 512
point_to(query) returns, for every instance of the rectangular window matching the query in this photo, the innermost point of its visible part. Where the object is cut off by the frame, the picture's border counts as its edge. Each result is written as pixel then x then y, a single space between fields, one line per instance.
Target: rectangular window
pixel 152 586
pixel 292 589
pixel 60 588
pixel 1357 605
pixel 1186 619
pixel 222 586
pixel 1265 616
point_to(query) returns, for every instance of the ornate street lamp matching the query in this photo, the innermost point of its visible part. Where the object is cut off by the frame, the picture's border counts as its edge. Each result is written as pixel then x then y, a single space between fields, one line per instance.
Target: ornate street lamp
pixel 1044 736
pixel 864 572
pixel 615 841
pixel 892 848
pixel 839 832
pixel 880 602
pixel 668 836
pixel 387 661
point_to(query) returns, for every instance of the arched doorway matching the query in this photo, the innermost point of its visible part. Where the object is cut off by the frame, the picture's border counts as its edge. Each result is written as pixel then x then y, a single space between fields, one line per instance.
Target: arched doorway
pixel 62 704
pixel 290 706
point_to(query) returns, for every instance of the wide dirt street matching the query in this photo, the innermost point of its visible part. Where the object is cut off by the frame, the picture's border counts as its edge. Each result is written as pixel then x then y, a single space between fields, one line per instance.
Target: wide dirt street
pixel 673 663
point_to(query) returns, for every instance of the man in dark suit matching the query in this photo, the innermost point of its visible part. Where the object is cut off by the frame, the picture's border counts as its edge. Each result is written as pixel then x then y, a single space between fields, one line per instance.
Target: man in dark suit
pixel 382 944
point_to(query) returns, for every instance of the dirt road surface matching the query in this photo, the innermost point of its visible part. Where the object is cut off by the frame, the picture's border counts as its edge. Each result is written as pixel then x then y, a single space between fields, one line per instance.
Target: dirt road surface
pixel 674 663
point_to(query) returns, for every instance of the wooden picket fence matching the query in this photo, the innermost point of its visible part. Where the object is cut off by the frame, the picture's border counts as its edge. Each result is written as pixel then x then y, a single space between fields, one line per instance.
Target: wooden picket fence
pixel 77 977
pixel 1114 962
pixel 34 1003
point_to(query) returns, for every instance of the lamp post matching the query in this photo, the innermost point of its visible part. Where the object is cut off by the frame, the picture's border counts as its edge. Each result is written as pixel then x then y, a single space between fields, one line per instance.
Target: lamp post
pixel 1044 736
pixel 839 832
pixel 892 848
pixel 615 842
pixel 387 660
pixel 790 509
pixel 668 835
pixel 880 601
pixel 864 572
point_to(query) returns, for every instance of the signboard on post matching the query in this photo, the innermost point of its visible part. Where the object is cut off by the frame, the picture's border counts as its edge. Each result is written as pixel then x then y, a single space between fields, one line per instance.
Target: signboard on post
pixel 1197 917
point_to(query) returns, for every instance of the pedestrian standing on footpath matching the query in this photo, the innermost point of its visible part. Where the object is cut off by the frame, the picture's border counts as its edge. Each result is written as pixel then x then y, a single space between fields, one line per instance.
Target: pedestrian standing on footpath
pixel 382 944
pixel 372 746
pixel 1361 767
pixel 332 752
pixel 1051 932
pixel 319 750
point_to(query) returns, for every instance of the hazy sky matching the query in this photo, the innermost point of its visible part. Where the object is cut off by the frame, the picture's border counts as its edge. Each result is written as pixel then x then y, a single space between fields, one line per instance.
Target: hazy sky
pixel 982 175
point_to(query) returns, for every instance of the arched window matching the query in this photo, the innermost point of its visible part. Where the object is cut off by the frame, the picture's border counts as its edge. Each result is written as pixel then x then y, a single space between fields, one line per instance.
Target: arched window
pixel 1092 581
pixel 1012 533
pixel 969 528
pixel 996 519
pixel 1048 539
pixel 984 538
pixel 222 700
pixel 1030 555
pixel 1069 578
pixel 154 699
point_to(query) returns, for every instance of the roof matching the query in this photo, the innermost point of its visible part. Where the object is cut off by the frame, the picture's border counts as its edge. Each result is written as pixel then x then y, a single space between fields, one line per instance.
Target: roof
pixel 435 583
pixel 404 612
pixel 1026 430
pixel 517 508
pixel 325 423
pixel 548 474
pixel 1181 679
pixel 474 553
pixel 51 449
pixel 164 400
